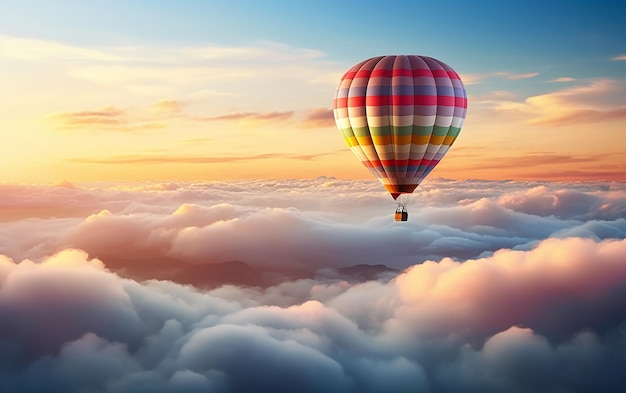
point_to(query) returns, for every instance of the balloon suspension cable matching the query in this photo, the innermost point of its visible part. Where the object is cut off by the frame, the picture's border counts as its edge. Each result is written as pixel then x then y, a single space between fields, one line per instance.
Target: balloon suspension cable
pixel 402 201
pixel 401 212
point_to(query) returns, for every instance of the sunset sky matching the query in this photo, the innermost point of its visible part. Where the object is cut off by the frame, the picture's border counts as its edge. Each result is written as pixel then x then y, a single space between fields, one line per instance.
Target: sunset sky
pixel 207 90
pixel 179 213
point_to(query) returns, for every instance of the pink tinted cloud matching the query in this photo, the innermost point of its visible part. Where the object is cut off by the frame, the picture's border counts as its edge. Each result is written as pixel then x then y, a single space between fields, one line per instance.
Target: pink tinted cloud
pixel 251 116
pixel 109 118
pixel 540 284
pixel 319 117
pixel 305 224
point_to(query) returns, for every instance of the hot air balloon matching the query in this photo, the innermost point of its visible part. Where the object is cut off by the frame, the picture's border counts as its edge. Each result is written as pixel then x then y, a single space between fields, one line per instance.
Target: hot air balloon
pixel 399 115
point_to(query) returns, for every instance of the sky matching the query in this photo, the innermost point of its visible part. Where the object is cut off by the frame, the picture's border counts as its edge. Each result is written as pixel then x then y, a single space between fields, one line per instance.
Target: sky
pixel 178 211
pixel 208 90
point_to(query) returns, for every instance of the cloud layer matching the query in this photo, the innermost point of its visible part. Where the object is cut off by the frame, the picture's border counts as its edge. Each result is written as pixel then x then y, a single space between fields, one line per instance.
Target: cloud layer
pixel 314 223
pixel 502 287
pixel 541 320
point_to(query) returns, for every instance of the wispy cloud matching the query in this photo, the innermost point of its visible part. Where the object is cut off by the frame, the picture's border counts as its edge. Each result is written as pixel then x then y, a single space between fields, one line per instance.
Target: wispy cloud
pixel 319 117
pixel 46 51
pixel 472 79
pixel 582 116
pixel 252 117
pixel 169 159
pixel 519 76
pixel 548 165
pixel 619 58
pixel 534 160
pixel 107 118
pixel 563 79
pixel 596 101
pixel 167 107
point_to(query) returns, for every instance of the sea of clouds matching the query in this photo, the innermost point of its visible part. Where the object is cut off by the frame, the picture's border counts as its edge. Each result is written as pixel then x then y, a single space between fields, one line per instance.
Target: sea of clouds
pixel 500 287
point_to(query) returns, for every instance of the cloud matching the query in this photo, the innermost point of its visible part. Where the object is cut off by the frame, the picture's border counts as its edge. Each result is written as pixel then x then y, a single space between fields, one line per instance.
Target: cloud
pixel 600 100
pixel 42 50
pixel 472 79
pixel 167 107
pixel 563 79
pixel 302 225
pixel 319 117
pixel 251 117
pixel 548 166
pixel 145 67
pixel 595 101
pixel 107 118
pixel 499 286
pixel 582 116
pixel 511 76
pixel 513 321
pixel 160 115
pixel 535 159
pixel 165 159
pixel 619 58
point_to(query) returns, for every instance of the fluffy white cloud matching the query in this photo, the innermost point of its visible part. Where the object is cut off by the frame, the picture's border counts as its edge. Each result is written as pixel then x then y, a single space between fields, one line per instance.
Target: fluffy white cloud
pixel 302 224
pixel 547 319
pixel 500 286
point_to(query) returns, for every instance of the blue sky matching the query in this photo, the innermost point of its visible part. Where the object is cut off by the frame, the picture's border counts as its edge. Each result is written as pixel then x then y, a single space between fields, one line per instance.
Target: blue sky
pixel 507 33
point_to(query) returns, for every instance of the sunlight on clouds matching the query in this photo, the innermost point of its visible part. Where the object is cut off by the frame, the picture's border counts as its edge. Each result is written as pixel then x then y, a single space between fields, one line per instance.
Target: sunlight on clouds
pixel 598 100
pixel 45 51
pixel 100 215
pixel 73 258
pixel 164 92
pixel 499 278
pixel 167 107
pixel 172 93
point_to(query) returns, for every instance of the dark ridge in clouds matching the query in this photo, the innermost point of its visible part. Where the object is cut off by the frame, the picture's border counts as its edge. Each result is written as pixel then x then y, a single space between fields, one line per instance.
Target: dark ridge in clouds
pixel 166 159
pixel 309 285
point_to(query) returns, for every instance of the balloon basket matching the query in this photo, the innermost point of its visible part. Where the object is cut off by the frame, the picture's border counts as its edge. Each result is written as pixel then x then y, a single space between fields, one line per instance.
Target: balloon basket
pixel 401 214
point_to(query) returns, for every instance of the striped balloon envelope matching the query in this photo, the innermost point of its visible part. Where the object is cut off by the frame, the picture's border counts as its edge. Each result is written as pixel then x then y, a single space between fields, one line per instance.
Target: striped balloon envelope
pixel 399 115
